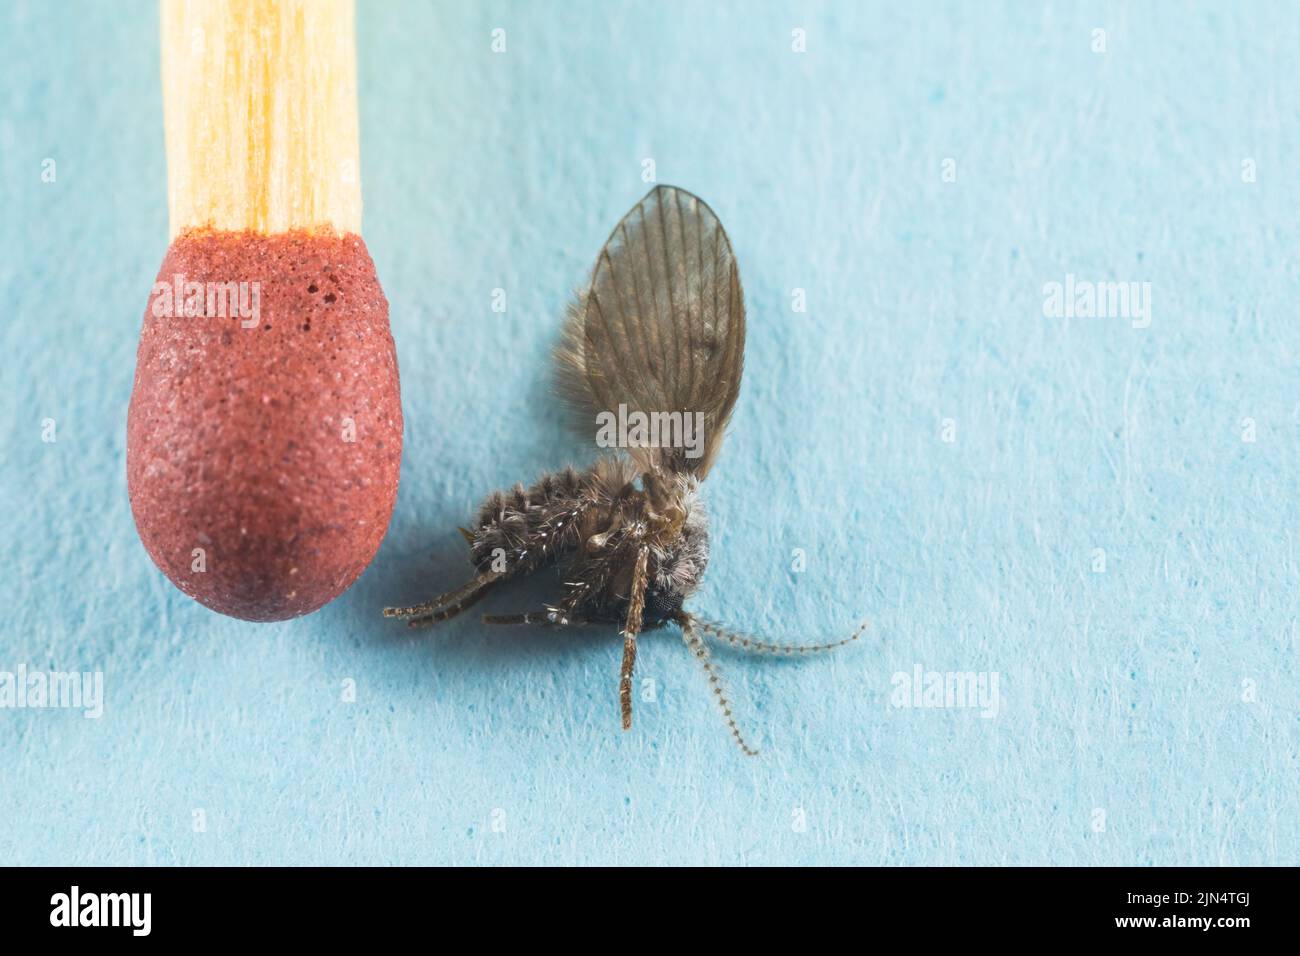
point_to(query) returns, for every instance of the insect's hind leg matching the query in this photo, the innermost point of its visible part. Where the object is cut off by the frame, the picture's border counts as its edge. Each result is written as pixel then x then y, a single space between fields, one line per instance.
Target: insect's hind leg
pixel 447 605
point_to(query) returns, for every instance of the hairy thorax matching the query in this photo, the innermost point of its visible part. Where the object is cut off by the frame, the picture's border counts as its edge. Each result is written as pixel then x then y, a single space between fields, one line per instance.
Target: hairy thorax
pixel 598 522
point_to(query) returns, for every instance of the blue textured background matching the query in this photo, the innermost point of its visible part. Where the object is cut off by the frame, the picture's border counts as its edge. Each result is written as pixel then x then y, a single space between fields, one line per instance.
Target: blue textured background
pixel 1159 696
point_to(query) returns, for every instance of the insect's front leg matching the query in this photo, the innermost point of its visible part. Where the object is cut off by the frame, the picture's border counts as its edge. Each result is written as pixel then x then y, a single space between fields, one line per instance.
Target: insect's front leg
pixel 635 612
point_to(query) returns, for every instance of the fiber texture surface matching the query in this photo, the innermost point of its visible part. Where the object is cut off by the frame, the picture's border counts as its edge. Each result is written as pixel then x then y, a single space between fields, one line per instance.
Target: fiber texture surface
pixel 1099 513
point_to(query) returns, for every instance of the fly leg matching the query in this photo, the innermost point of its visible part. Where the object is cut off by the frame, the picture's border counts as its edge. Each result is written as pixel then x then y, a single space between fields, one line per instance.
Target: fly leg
pixel 551 616
pixel 635 610
pixel 568 612
pixel 446 605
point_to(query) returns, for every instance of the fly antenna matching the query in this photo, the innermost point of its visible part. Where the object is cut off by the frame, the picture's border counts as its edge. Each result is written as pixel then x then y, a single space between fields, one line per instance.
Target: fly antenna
pixel 754 645
pixel 701 652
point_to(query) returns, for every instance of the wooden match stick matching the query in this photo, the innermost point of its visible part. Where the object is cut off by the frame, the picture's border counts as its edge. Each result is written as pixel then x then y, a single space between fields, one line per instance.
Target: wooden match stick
pixel 260 101
pixel 265 428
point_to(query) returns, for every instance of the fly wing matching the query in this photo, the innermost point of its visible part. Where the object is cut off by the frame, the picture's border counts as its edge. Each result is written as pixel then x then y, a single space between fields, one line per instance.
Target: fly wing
pixel 660 332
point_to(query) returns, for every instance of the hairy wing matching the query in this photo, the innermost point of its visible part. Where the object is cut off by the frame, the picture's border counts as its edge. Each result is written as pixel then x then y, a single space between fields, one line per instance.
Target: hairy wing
pixel 660 330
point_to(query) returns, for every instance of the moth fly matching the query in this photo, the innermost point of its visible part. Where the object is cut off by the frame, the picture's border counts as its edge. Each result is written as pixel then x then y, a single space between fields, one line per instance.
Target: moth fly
pixel 656 343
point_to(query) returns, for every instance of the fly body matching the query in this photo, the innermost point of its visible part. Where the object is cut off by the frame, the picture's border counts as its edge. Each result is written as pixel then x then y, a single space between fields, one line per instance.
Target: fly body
pixel 655 342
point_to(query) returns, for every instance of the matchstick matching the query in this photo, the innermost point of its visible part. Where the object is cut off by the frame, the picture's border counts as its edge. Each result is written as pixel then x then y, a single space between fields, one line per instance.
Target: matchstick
pixel 265 429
